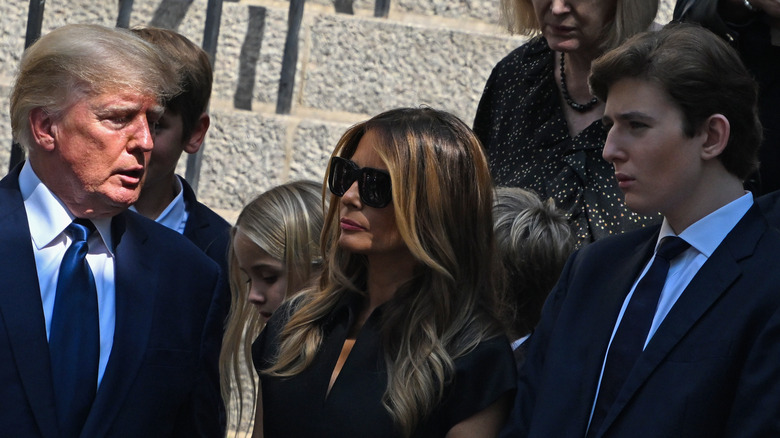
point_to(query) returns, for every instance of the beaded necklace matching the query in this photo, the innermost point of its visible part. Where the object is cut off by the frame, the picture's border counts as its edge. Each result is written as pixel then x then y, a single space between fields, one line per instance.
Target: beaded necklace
pixel 565 91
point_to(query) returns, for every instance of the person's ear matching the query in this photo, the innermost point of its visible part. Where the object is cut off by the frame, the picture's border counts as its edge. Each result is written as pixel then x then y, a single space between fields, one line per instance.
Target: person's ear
pixel 43 128
pixel 198 134
pixel 716 130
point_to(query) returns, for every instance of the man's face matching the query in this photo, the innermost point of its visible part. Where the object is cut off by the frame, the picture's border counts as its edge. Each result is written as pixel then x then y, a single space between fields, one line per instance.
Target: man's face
pixel 100 150
pixel 657 167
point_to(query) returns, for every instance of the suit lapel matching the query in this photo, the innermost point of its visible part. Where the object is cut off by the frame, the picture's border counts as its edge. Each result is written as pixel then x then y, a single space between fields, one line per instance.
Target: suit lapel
pixel 196 229
pixel 196 222
pixel 612 293
pixel 616 285
pixel 135 278
pixel 21 307
pixel 714 278
pixel 603 276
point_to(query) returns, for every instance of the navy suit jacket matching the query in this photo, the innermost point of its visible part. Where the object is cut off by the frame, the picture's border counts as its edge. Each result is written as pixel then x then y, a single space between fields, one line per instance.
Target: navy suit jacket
pixel 211 233
pixel 712 369
pixel 770 206
pixel 206 229
pixel 157 381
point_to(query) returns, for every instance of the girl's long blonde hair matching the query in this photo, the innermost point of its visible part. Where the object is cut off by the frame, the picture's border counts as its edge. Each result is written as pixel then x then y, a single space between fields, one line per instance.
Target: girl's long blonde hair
pixel 442 194
pixel 286 222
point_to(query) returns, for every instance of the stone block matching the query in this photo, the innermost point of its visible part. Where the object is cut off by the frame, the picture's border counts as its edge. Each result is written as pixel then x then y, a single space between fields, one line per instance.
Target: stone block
pixel 366 65
pixel 13 25
pixel 244 155
pixel 248 153
pixel 312 143
pixel 484 10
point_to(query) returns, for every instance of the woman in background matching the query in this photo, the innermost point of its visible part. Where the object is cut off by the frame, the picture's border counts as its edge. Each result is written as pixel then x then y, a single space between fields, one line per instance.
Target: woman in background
pixel 400 337
pixel 274 254
pixel 537 119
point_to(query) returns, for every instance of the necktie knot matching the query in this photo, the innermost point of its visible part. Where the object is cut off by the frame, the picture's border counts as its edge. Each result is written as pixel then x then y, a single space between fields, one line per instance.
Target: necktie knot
pixel 80 229
pixel 670 247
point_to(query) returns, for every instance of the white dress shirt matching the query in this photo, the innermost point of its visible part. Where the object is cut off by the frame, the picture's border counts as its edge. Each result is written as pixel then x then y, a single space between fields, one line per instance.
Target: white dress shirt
pixel 704 236
pixel 47 218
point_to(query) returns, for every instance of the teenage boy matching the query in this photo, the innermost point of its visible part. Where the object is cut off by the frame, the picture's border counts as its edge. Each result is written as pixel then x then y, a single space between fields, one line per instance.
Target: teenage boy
pixel 672 330
pixel 167 198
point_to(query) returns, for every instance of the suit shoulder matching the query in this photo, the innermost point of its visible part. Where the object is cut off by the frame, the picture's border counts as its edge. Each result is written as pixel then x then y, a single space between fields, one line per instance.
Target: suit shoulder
pixel 770 207
pixel 201 210
pixel 204 226
pixel 209 232
pixel 769 242
pixel 532 49
pixel 619 245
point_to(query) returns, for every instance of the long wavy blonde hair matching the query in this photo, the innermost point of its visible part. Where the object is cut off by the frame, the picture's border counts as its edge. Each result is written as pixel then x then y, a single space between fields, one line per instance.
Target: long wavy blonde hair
pixel 286 222
pixel 442 194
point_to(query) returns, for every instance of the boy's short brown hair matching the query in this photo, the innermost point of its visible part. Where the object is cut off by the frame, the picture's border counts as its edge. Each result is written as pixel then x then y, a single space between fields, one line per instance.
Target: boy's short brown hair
pixel 194 70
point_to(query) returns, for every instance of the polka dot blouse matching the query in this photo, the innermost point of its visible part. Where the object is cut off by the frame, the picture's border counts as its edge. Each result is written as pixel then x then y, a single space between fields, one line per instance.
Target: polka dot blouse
pixel 521 123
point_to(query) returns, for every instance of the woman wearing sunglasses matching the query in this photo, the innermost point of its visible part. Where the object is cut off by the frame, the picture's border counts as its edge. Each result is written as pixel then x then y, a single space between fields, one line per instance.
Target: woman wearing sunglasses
pixel 399 338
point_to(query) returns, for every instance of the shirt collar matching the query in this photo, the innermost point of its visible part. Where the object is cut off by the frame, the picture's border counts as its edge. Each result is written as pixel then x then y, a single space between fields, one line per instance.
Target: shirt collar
pixel 175 214
pixel 47 215
pixel 518 342
pixel 172 216
pixel 708 232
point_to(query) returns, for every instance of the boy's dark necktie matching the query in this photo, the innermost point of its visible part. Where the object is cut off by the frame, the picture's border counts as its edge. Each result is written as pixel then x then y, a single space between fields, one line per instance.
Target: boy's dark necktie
pixel 632 332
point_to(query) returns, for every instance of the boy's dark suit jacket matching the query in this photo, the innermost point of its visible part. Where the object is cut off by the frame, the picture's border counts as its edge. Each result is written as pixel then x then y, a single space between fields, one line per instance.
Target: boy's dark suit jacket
pixel 711 370
pixel 211 233
pixel 157 382
pixel 770 206
pixel 206 229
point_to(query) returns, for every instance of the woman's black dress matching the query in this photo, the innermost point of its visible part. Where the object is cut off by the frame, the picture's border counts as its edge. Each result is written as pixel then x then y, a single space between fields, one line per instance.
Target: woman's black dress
pixel 300 406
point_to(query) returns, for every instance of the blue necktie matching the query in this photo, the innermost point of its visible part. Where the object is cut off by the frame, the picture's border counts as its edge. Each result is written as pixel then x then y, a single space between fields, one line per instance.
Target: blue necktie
pixel 630 337
pixel 74 338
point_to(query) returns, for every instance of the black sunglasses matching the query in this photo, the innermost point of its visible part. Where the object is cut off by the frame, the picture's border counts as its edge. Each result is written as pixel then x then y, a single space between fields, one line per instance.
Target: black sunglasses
pixel 373 184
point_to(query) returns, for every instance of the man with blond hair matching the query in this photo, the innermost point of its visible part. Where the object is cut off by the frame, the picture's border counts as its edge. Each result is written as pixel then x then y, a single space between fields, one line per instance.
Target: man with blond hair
pixel 102 334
